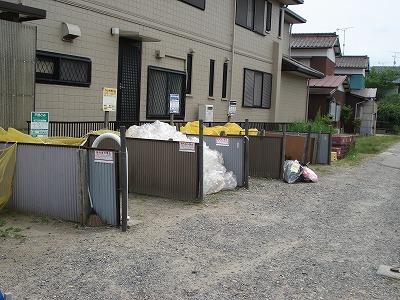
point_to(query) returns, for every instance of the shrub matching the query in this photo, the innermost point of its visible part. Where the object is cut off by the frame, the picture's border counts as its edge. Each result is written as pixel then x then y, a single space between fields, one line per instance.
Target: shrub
pixel 321 124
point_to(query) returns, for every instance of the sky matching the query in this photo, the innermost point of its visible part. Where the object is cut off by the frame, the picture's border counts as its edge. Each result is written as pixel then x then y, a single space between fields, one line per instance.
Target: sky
pixel 376 26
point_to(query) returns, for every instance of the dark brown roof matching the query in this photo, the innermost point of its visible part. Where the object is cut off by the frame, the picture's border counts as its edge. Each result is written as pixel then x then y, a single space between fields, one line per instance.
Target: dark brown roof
pixel 291 65
pixel 356 62
pixel 314 40
pixel 331 81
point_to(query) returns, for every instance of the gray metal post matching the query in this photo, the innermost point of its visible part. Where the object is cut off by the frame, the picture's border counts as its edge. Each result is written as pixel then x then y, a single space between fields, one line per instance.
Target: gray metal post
pixel 283 153
pixel 330 146
pixel 307 146
pixel 123 182
pixel 246 127
pixel 246 161
pixel 201 163
pixel 171 119
pixel 106 119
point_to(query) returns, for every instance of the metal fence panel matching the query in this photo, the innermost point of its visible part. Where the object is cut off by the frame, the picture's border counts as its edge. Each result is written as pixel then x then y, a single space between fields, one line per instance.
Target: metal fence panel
pixel 265 156
pixel 233 151
pixel 323 147
pixel 158 168
pixel 103 190
pixel 17 73
pixel 48 181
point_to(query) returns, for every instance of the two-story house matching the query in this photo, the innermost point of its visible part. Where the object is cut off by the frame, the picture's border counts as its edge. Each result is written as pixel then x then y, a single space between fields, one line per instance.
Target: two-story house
pixel 319 51
pixel 361 99
pixel 207 52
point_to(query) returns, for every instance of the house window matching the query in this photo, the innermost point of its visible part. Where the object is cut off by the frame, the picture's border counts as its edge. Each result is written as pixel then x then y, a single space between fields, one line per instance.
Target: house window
pixel 281 12
pixel 196 3
pixel 56 68
pixel 211 79
pixel 257 89
pixel 161 84
pixel 189 69
pixel 224 80
pixel 251 14
pixel 268 16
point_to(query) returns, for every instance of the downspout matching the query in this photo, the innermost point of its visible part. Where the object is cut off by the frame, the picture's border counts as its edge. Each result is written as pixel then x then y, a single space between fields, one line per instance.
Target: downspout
pixel 308 99
pixel 233 49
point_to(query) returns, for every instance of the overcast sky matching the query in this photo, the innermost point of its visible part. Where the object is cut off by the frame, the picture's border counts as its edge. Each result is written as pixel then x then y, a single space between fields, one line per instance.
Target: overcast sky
pixel 376 25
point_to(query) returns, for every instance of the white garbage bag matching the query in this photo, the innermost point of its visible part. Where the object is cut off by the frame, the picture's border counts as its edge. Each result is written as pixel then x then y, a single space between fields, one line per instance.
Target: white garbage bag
pixel 216 177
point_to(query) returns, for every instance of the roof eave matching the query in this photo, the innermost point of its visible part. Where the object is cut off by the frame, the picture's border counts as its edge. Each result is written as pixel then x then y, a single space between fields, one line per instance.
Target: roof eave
pixel 293 18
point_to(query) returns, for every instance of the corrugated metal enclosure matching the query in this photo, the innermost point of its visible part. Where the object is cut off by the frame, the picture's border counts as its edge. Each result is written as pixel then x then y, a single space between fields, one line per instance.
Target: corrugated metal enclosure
pixel 233 152
pixel 17 73
pixel 50 181
pixel 160 168
pixel 54 181
pixel 103 189
pixel 265 155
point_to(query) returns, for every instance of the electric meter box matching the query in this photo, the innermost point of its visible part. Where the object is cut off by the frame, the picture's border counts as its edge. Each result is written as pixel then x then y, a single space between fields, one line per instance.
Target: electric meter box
pixel 206 112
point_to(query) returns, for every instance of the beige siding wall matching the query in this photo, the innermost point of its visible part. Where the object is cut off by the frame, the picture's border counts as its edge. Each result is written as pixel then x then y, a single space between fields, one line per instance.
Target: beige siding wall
pixel 293 105
pixel 179 26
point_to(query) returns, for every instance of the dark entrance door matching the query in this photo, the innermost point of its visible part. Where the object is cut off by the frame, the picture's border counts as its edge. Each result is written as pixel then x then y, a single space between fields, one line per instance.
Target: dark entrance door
pixel 129 61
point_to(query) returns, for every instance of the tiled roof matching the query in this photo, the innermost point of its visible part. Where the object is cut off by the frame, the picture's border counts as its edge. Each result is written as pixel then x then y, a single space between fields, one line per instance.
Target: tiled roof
pixel 357 62
pixel 313 40
pixel 331 81
pixel 365 93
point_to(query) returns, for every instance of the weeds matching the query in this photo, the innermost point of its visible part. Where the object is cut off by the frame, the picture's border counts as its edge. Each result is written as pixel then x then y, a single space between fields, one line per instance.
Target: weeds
pixel 12 232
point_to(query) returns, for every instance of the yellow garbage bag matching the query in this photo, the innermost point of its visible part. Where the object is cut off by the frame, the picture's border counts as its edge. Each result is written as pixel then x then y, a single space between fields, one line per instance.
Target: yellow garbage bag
pixel 8 159
pixel 228 129
pixel 13 135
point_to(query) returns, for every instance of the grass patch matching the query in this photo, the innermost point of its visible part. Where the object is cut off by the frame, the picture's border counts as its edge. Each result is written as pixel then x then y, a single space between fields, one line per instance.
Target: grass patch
pixel 13 232
pixel 367 146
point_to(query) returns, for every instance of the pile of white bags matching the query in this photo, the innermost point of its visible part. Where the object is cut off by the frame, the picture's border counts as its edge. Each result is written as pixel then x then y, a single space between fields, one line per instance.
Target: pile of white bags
pixel 216 177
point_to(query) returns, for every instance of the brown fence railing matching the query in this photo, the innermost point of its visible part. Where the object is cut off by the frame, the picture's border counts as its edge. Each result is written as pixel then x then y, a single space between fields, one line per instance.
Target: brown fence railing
pixel 81 128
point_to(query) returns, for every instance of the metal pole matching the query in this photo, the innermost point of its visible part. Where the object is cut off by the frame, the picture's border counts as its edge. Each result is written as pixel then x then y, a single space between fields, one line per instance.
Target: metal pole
pixel 330 146
pixel 246 161
pixel 283 153
pixel 106 119
pixel 124 183
pixel 246 127
pixel 200 159
pixel 171 119
pixel 307 146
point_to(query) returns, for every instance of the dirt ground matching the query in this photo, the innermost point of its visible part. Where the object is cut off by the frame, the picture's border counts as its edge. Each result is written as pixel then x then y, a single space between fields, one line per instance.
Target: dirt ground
pixel 275 241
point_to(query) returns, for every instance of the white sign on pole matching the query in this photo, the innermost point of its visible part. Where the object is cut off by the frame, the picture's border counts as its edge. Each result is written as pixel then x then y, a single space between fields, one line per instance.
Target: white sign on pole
pixel 39 124
pixel 109 99
pixel 232 107
pixel 174 104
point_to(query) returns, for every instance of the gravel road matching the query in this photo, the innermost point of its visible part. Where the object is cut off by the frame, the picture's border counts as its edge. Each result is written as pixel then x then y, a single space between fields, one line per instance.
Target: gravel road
pixel 275 241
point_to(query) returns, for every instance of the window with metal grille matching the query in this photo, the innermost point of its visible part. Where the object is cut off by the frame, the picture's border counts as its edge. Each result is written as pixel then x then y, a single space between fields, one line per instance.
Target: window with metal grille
pixel 211 79
pixel 196 3
pixel 160 85
pixel 268 16
pixel 251 15
pixel 257 89
pixel 224 80
pixel 189 69
pixel 56 68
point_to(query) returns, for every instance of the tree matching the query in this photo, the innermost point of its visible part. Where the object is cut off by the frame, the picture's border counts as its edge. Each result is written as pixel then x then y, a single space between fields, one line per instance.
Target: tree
pixel 382 79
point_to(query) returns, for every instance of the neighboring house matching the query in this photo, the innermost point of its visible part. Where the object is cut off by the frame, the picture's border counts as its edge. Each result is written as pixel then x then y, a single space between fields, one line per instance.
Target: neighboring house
pixel 319 51
pixel 362 100
pixel 208 52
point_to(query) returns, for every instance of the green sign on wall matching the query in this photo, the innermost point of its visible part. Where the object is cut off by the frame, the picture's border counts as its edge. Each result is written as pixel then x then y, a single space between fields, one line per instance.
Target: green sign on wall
pixel 39 124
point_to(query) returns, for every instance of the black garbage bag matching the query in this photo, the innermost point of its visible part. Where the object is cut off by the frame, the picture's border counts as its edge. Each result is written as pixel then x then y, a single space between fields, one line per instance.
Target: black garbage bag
pixel 292 171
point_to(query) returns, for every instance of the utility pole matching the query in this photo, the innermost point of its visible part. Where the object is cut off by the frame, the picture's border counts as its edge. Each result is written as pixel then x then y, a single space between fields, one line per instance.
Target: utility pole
pixel 344 35
pixel 395 57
